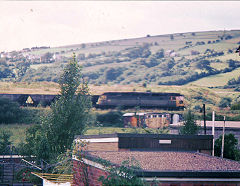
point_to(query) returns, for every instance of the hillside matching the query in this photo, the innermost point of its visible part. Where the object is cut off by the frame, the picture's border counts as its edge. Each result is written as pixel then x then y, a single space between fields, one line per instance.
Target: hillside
pixel 174 59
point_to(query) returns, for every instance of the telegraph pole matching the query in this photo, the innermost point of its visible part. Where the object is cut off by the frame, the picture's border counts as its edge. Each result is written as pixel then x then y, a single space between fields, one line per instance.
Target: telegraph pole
pixel 213 130
pixel 223 136
pixel 204 118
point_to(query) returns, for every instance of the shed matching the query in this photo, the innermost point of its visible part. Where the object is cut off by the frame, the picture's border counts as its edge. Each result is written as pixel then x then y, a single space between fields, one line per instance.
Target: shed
pixel 151 119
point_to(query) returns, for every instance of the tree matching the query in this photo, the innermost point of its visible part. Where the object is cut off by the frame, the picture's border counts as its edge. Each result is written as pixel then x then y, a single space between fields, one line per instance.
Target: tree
pixel 10 112
pixel 189 124
pixel 70 113
pixel 4 141
pixel 68 116
pixel 230 147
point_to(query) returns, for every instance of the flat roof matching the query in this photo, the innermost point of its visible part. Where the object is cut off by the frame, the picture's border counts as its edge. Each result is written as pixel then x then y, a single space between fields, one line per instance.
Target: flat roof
pixel 172 163
pixel 162 136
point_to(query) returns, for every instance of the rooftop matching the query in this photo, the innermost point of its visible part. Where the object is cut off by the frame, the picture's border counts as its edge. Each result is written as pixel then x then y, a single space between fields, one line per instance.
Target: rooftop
pixel 170 161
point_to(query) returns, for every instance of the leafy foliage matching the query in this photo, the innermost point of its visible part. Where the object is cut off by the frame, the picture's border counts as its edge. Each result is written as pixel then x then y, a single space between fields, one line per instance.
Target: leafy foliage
pixel 24 175
pixel 10 111
pixel 4 141
pixel 230 147
pixel 225 102
pixel 125 174
pixel 111 118
pixel 68 117
pixel 189 124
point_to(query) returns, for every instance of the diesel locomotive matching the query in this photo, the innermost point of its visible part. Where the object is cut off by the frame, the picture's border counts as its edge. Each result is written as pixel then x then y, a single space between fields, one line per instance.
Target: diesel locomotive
pixel 169 101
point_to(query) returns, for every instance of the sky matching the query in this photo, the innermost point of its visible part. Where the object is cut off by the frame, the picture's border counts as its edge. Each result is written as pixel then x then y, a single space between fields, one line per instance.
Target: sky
pixel 26 24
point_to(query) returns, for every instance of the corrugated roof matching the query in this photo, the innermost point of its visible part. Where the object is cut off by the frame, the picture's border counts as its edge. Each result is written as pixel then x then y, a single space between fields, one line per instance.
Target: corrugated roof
pixel 55 178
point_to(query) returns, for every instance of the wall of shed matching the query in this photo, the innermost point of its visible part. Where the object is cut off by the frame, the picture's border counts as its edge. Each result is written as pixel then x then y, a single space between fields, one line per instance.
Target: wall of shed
pixel 113 146
pixel 158 122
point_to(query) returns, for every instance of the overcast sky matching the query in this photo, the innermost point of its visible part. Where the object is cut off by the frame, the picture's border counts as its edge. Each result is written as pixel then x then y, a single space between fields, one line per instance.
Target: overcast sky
pixel 56 23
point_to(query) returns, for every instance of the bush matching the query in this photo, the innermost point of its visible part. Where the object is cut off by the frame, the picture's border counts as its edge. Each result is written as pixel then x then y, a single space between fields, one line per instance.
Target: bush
pixel 112 118
pixel 189 124
pixel 32 115
pixel 10 111
pixel 5 141
pixel 225 102
pixel 230 147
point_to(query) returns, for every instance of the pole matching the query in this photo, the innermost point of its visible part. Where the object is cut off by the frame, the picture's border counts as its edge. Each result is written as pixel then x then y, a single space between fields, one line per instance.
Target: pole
pixel 204 118
pixel 213 130
pixel 223 136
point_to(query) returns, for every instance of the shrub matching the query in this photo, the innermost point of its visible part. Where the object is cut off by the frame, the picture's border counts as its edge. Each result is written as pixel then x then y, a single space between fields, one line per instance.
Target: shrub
pixel 4 141
pixel 230 147
pixel 10 111
pixel 32 115
pixel 112 118
pixel 225 102
pixel 189 124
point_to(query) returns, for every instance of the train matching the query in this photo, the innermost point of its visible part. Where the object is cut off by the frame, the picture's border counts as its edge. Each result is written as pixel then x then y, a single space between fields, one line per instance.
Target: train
pixel 168 101
pixel 108 100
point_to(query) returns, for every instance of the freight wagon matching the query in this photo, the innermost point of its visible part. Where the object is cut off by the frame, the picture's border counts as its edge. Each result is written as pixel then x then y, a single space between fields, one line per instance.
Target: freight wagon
pixel 169 101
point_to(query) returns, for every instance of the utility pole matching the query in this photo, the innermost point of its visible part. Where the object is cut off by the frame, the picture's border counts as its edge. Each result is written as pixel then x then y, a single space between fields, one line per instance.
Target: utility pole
pixel 223 136
pixel 213 130
pixel 204 118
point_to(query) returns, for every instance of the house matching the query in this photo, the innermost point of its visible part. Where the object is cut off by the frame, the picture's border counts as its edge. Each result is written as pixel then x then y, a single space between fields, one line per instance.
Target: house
pixel 167 159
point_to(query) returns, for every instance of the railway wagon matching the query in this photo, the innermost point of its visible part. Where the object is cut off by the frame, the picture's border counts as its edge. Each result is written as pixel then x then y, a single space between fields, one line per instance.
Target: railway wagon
pixel 36 99
pixel 30 99
pixel 169 101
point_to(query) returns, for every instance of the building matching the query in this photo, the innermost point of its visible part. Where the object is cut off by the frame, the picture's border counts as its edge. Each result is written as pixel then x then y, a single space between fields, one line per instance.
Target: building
pixel 151 120
pixel 167 159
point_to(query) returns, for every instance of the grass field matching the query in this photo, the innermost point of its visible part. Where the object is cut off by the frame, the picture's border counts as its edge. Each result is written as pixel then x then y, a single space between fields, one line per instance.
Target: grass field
pixel 18 131
pixel 217 80
pixel 113 130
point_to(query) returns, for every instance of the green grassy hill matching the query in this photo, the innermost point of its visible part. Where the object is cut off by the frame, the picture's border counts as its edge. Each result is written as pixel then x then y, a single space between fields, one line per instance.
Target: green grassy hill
pixel 173 59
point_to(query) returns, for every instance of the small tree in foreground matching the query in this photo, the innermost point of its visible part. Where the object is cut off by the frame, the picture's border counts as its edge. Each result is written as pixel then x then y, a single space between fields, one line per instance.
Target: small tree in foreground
pixel 68 116
pixel 70 113
pixel 189 124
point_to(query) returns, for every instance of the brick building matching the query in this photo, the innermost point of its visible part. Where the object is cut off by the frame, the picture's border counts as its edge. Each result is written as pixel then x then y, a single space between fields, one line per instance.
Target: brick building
pixel 167 159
